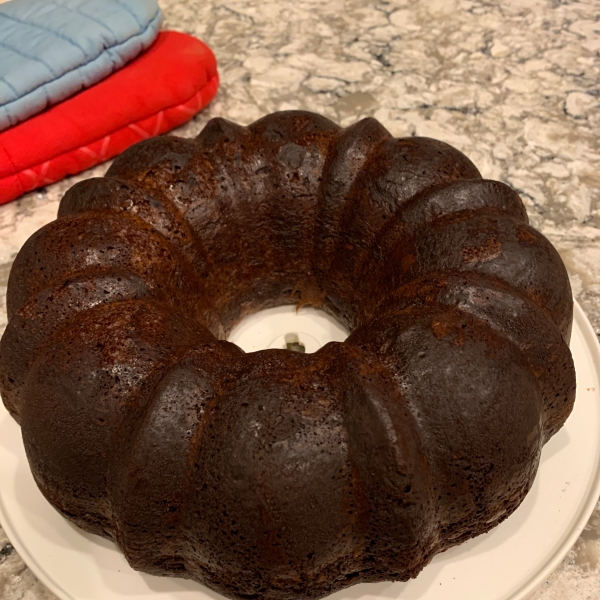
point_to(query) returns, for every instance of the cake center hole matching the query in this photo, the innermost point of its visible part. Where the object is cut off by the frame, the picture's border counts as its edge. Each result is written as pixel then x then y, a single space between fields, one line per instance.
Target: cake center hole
pixel 285 328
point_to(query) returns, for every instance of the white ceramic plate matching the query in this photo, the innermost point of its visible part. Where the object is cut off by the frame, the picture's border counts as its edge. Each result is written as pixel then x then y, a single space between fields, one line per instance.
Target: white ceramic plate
pixel 507 563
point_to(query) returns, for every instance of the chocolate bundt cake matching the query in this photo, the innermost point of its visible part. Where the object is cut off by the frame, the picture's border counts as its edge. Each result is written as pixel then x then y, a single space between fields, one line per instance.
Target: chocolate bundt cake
pixel 276 474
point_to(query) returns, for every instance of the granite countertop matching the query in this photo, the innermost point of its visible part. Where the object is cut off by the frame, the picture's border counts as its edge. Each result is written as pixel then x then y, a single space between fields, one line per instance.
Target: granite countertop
pixel 514 84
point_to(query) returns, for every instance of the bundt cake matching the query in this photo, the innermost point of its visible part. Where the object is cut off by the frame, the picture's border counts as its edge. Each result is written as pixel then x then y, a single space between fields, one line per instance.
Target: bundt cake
pixel 276 474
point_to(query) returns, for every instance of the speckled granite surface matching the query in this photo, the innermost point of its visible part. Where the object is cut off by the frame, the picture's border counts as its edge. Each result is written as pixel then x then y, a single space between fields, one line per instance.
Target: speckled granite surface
pixel 514 84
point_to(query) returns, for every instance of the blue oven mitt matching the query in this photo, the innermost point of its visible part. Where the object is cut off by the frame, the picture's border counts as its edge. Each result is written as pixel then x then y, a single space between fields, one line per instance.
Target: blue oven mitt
pixel 50 50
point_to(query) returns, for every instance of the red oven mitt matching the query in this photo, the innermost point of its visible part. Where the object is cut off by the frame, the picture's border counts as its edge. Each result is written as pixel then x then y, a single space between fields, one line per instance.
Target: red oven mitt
pixel 158 91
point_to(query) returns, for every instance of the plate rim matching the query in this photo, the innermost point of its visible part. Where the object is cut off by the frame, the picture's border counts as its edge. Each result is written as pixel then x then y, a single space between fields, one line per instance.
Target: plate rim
pixel 593 345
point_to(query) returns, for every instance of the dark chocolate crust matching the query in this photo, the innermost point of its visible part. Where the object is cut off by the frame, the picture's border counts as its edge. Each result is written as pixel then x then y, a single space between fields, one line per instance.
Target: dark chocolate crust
pixel 274 474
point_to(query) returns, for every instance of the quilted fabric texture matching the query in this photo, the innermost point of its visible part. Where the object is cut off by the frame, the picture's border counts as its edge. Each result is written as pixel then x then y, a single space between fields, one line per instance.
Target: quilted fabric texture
pixel 51 50
pixel 161 89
